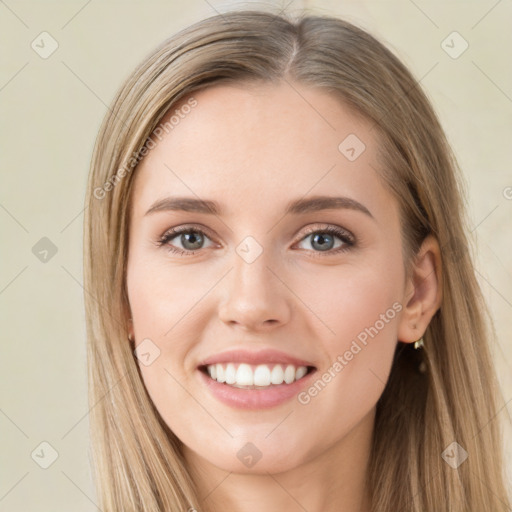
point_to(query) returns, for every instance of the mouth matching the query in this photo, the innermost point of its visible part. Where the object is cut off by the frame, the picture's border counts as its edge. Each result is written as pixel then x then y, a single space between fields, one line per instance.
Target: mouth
pixel 245 386
pixel 256 377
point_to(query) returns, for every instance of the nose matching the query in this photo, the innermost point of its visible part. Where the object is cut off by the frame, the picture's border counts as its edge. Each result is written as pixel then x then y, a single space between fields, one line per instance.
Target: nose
pixel 257 297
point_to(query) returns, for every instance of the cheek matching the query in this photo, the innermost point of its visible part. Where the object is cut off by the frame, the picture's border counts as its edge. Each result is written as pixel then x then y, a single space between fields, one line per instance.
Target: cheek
pixel 354 298
pixel 167 302
pixel 367 303
pixel 161 295
pixel 161 301
pixel 359 309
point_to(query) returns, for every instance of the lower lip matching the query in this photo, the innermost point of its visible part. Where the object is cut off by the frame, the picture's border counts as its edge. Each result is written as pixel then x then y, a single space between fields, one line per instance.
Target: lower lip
pixel 255 398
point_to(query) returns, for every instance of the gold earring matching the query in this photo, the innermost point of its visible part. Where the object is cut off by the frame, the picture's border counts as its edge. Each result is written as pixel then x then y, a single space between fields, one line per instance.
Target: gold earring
pixel 419 343
pixel 422 368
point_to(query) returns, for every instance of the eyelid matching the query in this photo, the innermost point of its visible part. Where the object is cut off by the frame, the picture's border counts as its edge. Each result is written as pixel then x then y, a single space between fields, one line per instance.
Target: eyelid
pixel 337 230
pixel 185 228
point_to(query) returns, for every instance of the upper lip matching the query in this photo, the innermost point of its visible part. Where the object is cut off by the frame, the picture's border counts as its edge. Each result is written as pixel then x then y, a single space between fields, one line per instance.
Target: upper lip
pixel 255 357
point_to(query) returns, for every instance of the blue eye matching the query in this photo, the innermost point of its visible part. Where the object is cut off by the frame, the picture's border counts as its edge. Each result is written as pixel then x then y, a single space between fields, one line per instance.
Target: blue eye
pixel 192 240
pixel 326 243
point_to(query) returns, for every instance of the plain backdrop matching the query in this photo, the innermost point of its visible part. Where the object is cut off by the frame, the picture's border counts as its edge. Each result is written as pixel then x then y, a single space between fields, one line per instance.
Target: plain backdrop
pixel 52 105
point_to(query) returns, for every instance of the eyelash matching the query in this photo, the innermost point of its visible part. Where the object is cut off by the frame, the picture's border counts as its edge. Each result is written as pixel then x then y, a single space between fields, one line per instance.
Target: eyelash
pixel 347 238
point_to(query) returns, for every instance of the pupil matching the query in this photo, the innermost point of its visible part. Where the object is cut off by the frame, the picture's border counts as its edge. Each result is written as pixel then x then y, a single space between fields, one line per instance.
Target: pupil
pixel 192 238
pixel 321 239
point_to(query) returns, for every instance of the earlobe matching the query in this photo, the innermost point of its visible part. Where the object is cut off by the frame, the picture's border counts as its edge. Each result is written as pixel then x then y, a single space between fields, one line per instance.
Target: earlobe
pixel 423 292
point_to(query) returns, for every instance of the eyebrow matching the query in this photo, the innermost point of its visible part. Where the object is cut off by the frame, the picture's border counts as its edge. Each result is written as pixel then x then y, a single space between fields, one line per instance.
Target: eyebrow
pixel 296 207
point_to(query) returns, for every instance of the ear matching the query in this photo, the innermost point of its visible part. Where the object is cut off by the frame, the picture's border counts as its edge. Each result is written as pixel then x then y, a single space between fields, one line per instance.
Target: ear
pixel 423 292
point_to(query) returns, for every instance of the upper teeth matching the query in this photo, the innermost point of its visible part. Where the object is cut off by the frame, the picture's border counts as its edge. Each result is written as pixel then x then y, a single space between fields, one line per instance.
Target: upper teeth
pixel 260 375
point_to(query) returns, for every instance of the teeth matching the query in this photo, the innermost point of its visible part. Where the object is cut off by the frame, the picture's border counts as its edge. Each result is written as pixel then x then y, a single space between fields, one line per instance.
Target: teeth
pixel 277 376
pixel 244 376
pixel 289 374
pixel 263 375
pixel 301 371
pixel 230 374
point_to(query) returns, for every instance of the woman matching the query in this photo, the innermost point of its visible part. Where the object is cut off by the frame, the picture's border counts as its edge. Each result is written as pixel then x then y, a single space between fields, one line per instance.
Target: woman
pixel 282 310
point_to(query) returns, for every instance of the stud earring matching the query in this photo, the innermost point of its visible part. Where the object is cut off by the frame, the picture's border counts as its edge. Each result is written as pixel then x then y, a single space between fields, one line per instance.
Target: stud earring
pixel 422 367
pixel 419 343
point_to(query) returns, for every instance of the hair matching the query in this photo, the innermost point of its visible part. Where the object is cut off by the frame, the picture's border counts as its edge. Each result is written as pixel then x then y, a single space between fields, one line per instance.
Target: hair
pixel 137 460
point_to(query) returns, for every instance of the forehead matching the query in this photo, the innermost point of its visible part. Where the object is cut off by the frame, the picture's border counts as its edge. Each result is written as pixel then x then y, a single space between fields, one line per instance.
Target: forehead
pixel 261 145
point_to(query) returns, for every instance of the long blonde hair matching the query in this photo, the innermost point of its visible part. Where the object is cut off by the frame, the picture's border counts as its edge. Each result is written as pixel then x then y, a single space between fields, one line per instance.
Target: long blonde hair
pixel 138 463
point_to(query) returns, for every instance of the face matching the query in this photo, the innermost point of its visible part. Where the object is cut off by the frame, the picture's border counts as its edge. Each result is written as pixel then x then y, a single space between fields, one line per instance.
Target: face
pixel 319 285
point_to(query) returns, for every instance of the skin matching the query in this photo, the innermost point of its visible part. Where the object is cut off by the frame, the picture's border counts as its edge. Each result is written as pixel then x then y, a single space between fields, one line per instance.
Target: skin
pixel 253 149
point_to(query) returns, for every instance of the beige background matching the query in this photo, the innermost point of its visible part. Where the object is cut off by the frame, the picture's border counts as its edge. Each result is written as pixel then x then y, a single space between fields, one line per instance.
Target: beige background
pixel 51 110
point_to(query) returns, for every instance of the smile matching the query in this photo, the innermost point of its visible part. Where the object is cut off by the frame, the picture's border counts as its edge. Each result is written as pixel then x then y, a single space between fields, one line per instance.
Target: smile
pixel 248 376
pixel 272 384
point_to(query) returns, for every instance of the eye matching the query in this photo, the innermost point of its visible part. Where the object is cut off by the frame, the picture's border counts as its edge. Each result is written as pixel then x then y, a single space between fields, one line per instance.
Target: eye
pixel 192 240
pixel 324 240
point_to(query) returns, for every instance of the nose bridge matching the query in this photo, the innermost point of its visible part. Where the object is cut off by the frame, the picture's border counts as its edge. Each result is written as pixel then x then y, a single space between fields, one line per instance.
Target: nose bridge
pixel 255 295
